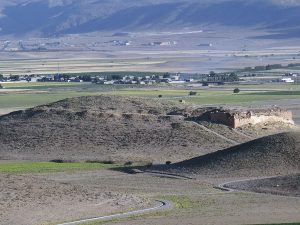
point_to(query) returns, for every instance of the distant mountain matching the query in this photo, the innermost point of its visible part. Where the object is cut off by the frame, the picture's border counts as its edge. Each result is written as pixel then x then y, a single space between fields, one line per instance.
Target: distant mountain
pixel 54 17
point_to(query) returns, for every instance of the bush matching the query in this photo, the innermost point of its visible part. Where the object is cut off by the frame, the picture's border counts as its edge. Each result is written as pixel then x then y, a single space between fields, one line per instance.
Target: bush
pixel 149 165
pixel 107 162
pixel 160 96
pixel 193 93
pixel 236 91
pixel 1 86
pixel 128 163
pixel 57 161
pixel 168 163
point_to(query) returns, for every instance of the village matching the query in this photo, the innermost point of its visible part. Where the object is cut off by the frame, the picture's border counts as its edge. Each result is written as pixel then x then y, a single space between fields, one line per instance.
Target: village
pixel 210 79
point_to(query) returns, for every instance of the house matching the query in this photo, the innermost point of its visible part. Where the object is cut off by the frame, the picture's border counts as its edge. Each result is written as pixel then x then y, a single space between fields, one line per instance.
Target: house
pixel 287 80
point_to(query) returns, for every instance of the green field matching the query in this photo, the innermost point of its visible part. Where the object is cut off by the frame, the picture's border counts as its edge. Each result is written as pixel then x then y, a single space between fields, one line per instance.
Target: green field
pixel 46 167
pixel 280 224
pixel 43 93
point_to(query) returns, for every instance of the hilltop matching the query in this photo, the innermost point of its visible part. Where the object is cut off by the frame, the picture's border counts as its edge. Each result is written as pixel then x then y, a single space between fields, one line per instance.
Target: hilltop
pixel 104 128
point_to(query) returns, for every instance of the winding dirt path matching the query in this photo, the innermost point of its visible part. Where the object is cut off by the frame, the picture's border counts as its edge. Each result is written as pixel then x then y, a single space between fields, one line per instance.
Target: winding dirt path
pixel 162 205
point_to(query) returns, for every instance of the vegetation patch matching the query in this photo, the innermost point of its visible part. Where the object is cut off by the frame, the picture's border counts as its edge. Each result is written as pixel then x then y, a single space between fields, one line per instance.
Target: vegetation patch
pixel 280 224
pixel 44 167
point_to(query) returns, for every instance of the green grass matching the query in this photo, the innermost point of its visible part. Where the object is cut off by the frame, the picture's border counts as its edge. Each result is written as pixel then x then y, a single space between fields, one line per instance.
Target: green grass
pixel 180 201
pixel 45 167
pixel 204 96
pixel 37 84
pixel 280 224
pixel 278 93
pixel 31 100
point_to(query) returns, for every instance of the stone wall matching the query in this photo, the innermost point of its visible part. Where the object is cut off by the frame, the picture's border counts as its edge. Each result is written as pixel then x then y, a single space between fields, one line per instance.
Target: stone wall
pixel 235 118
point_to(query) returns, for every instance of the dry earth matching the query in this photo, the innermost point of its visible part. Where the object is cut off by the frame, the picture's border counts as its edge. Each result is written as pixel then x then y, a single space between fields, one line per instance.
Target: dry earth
pixel 33 199
pixel 119 128
pixel 103 128
pixel 268 156
pixel 284 185
pixel 111 128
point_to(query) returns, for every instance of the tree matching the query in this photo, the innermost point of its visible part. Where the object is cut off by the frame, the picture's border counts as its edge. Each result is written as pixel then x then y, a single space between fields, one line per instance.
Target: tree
pixel 14 77
pixel 236 91
pixel 85 78
pixel 233 77
pixel 116 77
pixel 66 77
pixel 166 75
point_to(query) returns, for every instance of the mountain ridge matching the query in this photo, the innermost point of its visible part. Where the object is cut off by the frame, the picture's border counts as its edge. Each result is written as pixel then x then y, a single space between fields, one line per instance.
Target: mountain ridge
pixel 49 18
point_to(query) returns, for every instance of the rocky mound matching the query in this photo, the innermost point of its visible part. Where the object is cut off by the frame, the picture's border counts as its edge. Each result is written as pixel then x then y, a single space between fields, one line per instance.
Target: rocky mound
pixel 272 155
pixel 104 128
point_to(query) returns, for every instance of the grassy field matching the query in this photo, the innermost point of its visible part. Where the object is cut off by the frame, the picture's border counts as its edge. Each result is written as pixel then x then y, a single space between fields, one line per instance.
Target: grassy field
pixel 217 95
pixel 280 224
pixel 45 167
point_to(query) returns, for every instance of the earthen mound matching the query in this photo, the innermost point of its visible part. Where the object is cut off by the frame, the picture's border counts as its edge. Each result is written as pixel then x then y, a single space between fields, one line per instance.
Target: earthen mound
pixel 272 155
pixel 104 128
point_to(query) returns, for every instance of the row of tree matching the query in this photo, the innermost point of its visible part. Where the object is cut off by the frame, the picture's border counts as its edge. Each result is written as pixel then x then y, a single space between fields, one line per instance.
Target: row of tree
pixel 222 77
pixel 271 67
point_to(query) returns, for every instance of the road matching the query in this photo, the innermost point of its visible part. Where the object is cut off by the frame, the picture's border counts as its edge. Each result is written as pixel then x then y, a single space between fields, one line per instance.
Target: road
pixel 162 204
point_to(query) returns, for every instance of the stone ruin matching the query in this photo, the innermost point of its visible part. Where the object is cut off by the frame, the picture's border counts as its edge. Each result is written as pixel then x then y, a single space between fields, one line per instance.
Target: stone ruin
pixel 236 118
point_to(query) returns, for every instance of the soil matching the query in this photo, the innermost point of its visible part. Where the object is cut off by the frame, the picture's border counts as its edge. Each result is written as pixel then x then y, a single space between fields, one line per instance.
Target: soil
pixel 272 155
pixel 103 128
pixel 130 129
pixel 109 128
pixel 34 199
pixel 284 185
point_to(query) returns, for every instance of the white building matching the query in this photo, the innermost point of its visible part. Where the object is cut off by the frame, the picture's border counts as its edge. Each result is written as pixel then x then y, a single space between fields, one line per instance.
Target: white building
pixel 287 80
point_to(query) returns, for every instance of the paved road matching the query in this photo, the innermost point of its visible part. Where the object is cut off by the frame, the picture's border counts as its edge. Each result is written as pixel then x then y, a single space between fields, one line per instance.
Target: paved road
pixel 162 204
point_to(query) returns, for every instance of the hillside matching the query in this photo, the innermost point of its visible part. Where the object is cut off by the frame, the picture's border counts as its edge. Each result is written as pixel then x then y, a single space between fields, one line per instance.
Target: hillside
pixel 283 185
pixel 272 155
pixel 19 17
pixel 103 128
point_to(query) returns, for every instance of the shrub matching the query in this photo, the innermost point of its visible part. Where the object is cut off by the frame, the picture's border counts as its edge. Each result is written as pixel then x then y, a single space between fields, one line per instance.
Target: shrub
pixel 160 96
pixel 128 163
pixel 168 163
pixel 150 164
pixel 57 161
pixel 1 86
pixel 236 91
pixel 193 93
pixel 107 162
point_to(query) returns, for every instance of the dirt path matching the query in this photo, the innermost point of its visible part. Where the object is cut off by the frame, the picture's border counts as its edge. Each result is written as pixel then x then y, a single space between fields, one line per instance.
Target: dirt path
pixel 163 204
pixel 215 133
pixel 242 134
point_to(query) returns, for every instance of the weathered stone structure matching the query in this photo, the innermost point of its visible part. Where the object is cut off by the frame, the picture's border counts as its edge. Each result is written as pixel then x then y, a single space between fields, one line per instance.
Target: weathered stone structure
pixel 238 118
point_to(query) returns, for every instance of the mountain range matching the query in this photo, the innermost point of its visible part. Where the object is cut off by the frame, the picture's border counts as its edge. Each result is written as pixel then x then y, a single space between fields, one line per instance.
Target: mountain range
pixel 56 17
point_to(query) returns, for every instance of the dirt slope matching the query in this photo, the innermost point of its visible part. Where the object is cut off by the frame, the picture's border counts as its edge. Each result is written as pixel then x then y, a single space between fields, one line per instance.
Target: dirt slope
pixel 272 155
pixel 282 185
pixel 103 128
